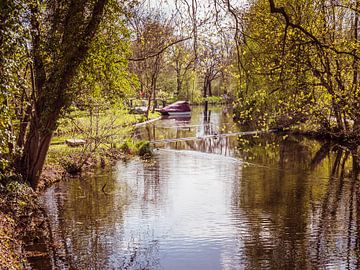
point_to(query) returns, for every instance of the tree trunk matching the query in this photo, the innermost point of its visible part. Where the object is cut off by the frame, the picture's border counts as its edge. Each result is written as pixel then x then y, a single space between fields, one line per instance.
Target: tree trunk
pixel 154 95
pixel 149 104
pixel 178 77
pixel 209 88
pixel 338 116
pixel 154 77
pixel 52 79
pixel 178 84
pixel 205 87
pixel 34 153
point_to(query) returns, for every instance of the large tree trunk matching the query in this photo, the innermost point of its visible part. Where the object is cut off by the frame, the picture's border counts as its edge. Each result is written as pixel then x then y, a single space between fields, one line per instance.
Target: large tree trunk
pixel 41 128
pixel 52 80
pixel 34 155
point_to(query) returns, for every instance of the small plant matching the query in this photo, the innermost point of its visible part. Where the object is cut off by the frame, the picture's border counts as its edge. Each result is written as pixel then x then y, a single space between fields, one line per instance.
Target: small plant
pixel 127 147
pixel 144 149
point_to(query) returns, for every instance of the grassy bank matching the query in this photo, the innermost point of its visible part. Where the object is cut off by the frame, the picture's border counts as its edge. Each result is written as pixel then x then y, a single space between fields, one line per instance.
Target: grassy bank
pixel 106 138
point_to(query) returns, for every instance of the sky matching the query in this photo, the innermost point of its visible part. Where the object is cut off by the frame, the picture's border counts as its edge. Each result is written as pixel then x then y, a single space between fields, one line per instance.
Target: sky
pixel 205 10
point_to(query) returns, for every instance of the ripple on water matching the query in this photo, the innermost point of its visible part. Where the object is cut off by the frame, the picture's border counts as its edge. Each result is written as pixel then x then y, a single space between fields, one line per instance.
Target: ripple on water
pixel 194 210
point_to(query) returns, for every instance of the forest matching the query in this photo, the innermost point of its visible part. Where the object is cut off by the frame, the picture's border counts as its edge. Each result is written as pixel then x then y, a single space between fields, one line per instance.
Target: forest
pixel 73 70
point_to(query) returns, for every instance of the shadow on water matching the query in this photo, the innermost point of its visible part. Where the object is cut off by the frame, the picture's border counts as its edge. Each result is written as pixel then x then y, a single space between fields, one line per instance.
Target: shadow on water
pixel 269 202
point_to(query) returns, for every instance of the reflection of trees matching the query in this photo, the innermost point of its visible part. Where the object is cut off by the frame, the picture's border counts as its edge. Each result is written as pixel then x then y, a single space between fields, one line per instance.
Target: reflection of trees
pixel 337 225
pixel 273 201
pixel 151 187
pixel 218 145
pixel 202 123
pixel 302 213
pixel 81 218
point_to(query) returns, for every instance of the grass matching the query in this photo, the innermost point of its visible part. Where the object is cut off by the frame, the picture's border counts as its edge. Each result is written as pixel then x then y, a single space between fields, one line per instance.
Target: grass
pixel 102 131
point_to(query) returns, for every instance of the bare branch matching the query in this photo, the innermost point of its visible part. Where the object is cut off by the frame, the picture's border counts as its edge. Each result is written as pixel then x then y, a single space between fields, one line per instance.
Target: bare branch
pixel 143 58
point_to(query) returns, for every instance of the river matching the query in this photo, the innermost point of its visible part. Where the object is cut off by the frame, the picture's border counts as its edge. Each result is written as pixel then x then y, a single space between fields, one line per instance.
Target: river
pixel 212 202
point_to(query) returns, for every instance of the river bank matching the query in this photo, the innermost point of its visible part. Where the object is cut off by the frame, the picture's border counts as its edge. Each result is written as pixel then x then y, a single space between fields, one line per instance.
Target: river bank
pixel 24 233
pixel 22 221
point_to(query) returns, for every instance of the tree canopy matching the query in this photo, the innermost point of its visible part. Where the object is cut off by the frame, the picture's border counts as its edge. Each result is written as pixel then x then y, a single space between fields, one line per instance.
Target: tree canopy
pixel 283 63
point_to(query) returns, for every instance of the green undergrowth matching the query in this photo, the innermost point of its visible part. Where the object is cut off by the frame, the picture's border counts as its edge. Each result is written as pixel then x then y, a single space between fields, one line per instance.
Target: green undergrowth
pixel 107 138
pixel 215 100
pixel 140 148
pixel 87 124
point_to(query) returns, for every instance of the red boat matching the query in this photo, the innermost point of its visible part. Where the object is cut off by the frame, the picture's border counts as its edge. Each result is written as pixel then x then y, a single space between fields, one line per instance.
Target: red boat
pixel 180 108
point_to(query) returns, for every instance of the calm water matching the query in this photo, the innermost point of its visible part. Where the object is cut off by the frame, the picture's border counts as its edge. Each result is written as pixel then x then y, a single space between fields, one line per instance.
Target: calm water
pixel 270 202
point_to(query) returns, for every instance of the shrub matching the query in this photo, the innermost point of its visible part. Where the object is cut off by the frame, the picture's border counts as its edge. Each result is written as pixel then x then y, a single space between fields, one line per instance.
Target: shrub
pixel 144 149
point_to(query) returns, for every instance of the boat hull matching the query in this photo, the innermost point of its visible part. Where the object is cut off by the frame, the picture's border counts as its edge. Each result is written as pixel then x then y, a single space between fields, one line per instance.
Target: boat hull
pixel 179 108
pixel 177 113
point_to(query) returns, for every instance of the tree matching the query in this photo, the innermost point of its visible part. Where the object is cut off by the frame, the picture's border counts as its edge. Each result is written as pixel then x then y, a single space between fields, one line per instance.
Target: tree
pixel 154 33
pixel 330 38
pixel 104 73
pixel 212 60
pixel 301 64
pixel 182 61
pixel 298 62
pixel 60 37
pixel 14 71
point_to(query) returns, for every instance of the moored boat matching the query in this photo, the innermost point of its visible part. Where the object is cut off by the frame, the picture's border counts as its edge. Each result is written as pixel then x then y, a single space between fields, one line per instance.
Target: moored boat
pixel 179 108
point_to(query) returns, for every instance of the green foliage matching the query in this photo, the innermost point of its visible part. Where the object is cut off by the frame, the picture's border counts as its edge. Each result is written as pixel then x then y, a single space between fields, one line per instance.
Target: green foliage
pixel 131 147
pixel 53 56
pixel 127 146
pixel 104 75
pixel 210 100
pixel 101 127
pixel 13 74
pixel 144 149
pixel 300 73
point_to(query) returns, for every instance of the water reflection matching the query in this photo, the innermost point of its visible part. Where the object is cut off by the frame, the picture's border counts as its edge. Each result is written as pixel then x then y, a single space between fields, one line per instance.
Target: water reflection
pixel 202 123
pixel 337 230
pixel 270 202
pixel 301 212
pixel 78 213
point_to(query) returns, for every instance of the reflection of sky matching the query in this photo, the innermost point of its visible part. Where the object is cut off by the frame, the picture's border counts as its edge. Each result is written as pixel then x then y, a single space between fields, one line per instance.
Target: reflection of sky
pixel 194 219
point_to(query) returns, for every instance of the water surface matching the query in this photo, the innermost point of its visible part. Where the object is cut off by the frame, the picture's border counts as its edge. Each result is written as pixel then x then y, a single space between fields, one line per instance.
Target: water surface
pixel 269 202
